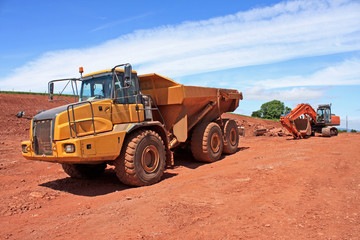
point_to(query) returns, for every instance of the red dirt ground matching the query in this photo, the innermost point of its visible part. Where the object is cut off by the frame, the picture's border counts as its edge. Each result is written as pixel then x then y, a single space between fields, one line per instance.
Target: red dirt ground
pixel 273 188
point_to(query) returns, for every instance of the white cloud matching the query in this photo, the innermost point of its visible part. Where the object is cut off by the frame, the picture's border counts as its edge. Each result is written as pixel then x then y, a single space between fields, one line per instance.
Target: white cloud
pixel 302 87
pixel 345 73
pixel 299 94
pixel 284 31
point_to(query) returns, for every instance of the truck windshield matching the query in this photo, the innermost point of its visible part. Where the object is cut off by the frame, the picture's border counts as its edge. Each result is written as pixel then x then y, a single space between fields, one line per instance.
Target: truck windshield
pixel 101 87
pixel 96 88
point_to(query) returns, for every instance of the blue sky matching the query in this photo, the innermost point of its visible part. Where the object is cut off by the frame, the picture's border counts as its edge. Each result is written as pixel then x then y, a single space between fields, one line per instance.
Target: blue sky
pixel 293 51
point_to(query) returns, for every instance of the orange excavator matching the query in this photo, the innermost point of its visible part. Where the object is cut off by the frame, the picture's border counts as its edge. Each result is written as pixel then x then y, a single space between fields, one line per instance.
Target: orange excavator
pixel 303 121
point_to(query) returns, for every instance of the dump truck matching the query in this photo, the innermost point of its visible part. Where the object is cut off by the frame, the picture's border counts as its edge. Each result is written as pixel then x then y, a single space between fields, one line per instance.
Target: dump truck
pixel 304 121
pixel 134 123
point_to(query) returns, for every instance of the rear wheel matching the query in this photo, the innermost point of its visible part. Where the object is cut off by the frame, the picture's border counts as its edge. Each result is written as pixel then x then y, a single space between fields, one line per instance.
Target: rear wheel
pixel 84 170
pixel 231 132
pixel 143 159
pixel 207 142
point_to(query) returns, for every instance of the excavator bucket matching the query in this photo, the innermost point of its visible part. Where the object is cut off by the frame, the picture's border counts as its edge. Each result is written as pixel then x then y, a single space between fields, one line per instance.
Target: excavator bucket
pixel 303 126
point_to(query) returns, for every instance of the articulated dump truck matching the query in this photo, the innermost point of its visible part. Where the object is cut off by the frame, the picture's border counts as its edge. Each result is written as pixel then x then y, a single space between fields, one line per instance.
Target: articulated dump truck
pixel 134 123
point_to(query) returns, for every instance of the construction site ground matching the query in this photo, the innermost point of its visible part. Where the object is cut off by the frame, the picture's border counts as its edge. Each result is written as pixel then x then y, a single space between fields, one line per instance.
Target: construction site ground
pixel 274 187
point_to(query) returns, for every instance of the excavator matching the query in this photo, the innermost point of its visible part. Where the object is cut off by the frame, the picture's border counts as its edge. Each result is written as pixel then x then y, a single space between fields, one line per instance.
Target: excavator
pixel 304 121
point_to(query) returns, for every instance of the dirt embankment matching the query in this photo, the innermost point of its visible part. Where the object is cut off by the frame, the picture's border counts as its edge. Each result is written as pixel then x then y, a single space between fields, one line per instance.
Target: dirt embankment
pixel 271 128
pixel 273 188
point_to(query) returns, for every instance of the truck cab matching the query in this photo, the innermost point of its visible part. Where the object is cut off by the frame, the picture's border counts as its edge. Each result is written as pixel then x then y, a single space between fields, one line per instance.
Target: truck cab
pixel 110 84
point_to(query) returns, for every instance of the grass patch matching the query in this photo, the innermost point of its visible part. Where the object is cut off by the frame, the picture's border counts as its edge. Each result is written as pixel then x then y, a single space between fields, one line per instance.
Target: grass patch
pixel 275 120
pixel 26 93
pixel 35 93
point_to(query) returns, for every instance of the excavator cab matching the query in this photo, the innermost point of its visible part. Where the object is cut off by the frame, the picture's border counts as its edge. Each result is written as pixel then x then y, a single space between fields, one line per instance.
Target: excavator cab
pixel 323 114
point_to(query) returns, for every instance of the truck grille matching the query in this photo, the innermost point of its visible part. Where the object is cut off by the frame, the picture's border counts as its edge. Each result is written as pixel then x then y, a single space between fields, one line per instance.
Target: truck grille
pixel 42 137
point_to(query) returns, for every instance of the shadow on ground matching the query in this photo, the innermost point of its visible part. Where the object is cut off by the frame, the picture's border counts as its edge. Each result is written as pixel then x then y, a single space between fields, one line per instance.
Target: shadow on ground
pixel 107 183
pixel 184 158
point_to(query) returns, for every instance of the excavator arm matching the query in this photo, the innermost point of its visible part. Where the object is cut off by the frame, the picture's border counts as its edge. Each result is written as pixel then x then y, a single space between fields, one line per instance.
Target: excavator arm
pixel 299 127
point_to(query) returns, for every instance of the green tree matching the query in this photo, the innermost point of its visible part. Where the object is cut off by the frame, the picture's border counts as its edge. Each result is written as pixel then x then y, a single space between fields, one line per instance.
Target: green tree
pixel 287 110
pixel 271 110
pixel 256 114
pixel 353 131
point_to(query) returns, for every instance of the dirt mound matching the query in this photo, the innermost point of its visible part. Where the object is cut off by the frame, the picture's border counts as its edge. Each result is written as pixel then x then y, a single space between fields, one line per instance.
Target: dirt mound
pixel 271 128
pixel 272 188
pixel 11 104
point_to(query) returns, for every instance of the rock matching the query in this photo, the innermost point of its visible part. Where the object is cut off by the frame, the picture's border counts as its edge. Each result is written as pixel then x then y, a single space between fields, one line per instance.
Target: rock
pixel 36 194
pixel 260 132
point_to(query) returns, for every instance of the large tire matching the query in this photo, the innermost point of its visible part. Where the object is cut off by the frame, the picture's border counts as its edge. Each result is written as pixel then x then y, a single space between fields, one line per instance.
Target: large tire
pixel 143 159
pixel 84 170
pixel 231 132
pixel 207 142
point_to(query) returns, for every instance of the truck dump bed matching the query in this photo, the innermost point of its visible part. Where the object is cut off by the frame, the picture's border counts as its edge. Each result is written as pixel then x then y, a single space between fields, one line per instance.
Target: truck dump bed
pixel 183 106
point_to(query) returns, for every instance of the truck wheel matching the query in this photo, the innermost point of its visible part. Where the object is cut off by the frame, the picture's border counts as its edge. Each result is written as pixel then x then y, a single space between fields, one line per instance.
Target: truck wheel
pixel 231 132
pixel 207 142
pixel 84 170
pixel 142 160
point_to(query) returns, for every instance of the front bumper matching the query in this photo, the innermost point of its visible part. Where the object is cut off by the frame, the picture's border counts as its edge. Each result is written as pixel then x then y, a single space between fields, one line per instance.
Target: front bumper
pixel 88 150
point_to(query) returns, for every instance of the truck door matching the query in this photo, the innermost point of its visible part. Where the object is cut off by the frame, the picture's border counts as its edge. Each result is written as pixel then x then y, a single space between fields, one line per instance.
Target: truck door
pixel 126 106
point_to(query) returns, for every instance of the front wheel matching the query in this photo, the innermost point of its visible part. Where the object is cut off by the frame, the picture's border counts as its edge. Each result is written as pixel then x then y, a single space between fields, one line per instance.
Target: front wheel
pixel 143 159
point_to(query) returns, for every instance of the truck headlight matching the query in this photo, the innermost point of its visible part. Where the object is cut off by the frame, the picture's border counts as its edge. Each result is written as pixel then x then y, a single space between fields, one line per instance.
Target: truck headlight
pixel 69 148
pixel 23 148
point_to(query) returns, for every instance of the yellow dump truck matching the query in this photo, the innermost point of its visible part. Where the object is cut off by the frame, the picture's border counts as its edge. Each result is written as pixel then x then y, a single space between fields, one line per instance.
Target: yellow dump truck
pixel 134 123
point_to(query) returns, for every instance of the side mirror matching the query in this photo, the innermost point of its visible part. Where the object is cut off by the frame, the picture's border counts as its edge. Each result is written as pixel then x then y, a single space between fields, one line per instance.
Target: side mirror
pixel 51 90
pixel 128 71
pixel 20 114
pixel 127 76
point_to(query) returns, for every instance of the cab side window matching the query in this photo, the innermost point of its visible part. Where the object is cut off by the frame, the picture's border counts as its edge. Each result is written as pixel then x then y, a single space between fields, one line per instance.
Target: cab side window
pixel 125 95
pixel 327 115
